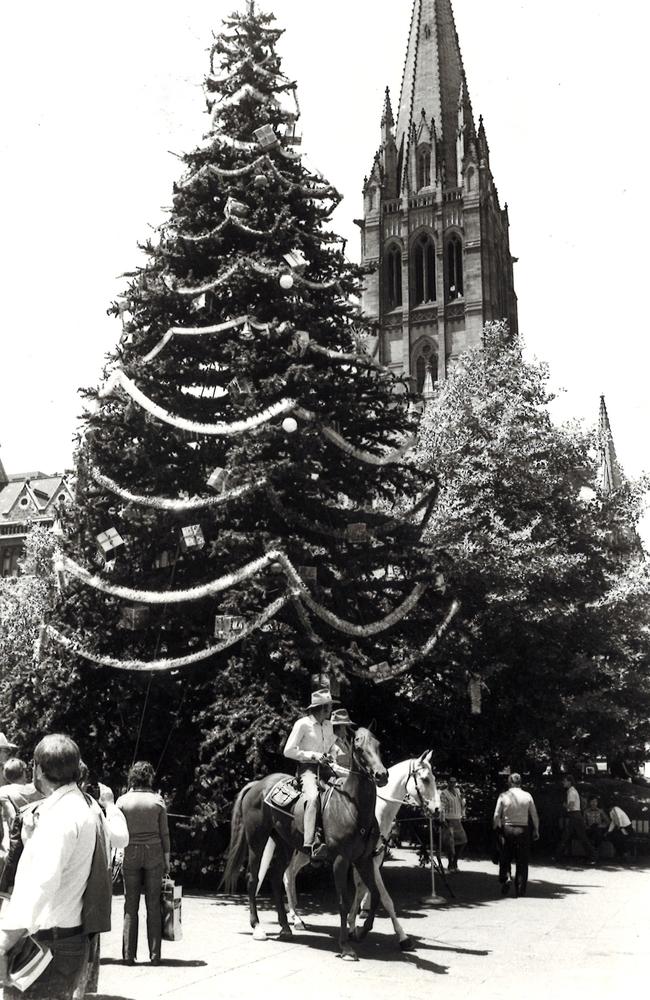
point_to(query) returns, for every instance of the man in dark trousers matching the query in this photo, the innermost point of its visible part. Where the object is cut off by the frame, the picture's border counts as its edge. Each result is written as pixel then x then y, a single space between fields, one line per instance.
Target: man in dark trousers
pixel 575 828
pixel 514 809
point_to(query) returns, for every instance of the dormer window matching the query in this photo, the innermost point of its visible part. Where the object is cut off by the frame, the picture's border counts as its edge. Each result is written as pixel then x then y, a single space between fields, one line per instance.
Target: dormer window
pixel 424 270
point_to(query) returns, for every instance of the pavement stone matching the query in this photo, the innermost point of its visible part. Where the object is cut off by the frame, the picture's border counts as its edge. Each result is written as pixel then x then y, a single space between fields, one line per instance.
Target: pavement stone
pixel 578 932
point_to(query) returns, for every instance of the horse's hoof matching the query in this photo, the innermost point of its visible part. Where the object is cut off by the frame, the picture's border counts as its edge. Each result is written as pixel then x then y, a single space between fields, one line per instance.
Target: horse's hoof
pixel 285 935
pixel 408 944
pixel 349 956
pixel 259 934
pixel 298 925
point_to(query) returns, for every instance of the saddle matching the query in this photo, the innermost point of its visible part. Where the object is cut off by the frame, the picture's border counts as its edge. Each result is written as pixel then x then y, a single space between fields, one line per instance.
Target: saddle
pixel 285 793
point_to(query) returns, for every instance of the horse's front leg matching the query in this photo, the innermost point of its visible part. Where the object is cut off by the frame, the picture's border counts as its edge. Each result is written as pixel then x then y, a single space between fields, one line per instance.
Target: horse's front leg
pixel 405 942
pixel 341 870
pixel 298 861
pixel 366 869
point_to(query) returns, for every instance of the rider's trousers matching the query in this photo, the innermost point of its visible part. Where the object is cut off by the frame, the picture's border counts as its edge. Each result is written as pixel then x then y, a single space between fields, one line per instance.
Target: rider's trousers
pixel 309 785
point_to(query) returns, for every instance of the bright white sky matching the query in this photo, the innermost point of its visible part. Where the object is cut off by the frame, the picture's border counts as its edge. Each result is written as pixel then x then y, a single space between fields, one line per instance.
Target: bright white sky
pixel 95 94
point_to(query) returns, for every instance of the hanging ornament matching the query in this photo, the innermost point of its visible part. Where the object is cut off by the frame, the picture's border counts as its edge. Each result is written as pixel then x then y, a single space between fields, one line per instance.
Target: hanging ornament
pixel 296 260
pixel 266 137
pixel 308 573
pixel 164 560
pixel 133 617
pixel 226 626
pixel 475 691
pixel 192 538
pixel 39 644
pixel 239 387
pixel 60 574
pixel 109 543
pixel 289 425
pixel 357 532
pixel 261 181
pixel 246 332
pixel 293 136
pixel 218 480
pixel 440 583
pixel 380 670
pixel 235 209
pixel 301 341
pixel 198 302
pixel 286 281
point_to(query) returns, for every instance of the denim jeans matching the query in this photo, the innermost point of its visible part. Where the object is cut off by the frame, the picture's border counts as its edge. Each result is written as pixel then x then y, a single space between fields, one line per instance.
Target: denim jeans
pixel 60 978
pixel 143 868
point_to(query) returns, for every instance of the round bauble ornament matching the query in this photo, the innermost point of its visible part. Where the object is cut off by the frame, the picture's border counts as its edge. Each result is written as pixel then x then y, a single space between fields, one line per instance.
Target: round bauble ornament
pixel 286 281
pixel 261 181
pixel 289 425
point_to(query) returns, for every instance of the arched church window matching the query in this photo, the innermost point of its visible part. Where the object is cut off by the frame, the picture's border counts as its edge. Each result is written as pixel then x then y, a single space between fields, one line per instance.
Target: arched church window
pixel 454 268
pixel 394 277
pixel 470 180
pixel 425 361
pixel 424 270
pixel 424 169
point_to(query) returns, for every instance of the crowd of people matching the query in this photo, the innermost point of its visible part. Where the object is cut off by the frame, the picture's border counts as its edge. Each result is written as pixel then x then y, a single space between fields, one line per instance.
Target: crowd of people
pixel 62 832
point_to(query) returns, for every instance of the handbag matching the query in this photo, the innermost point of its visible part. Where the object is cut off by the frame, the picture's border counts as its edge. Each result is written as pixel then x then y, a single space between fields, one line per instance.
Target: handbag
pixel 171 901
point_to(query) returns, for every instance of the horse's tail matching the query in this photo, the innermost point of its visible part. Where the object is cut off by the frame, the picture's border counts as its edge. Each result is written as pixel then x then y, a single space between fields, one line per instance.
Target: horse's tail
pixel 237 846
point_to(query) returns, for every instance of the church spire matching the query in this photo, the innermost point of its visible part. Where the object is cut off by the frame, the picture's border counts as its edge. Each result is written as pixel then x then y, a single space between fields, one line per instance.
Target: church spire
pixel 433 79
pixel 387 119
pixel 611 477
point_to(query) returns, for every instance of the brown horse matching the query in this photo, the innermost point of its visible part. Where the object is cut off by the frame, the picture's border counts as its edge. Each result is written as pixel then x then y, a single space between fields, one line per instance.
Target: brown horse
pixel 348 816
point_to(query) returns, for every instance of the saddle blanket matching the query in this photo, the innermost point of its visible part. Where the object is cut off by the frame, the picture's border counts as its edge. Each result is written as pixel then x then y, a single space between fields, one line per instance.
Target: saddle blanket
pixel 283 794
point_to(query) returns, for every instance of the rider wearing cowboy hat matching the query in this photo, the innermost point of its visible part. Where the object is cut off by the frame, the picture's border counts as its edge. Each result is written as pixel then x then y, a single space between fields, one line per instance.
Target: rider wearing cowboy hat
pixel 312 743
pixel 343 730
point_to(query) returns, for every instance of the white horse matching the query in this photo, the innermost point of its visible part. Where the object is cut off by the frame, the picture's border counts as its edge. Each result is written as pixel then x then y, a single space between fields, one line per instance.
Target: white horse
pixel 411 782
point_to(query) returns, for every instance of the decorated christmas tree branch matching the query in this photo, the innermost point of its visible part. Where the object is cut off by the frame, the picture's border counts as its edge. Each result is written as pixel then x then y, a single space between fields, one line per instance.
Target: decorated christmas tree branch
pixel 384 672
pixel 277 272
pixel 251 569
pixel 177 506
pixel 354 359
pixel 202 331
pixel 166 664
pixel 120 380
pixel 196 290
pixel 389 458
pixel 364 631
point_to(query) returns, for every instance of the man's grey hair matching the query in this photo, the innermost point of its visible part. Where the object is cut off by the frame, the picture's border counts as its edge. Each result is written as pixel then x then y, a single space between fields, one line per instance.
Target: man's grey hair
pixel 515 779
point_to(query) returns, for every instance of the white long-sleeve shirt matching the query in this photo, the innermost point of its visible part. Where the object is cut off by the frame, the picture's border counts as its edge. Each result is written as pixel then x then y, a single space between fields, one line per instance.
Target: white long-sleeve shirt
pixel 55 865
pixel 309 740
pixel 619 819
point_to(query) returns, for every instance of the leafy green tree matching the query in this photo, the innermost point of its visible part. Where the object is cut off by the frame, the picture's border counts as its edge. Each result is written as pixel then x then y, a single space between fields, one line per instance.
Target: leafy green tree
pixel 229 535
pixel 555 598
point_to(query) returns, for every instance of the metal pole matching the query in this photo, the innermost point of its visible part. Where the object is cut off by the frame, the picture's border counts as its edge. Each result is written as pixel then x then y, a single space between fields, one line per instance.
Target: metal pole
pixel 434 899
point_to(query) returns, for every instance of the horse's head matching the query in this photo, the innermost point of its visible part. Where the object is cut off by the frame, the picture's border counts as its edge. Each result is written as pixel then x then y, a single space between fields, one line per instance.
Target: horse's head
pixel 366 753
pixel 421 786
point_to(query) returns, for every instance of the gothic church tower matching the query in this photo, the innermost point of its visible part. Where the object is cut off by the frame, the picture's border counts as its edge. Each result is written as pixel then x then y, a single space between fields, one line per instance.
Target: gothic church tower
pixel 433 229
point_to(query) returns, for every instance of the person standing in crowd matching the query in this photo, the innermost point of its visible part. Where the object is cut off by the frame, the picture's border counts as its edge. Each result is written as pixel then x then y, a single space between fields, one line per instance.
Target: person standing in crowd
pixel 514 810
pixel 575 827
pixel 52 875
pixel 452 804
pixel 6 752
pixel 619 830
pixel 146 860
pixel 596 821
pixel 14 796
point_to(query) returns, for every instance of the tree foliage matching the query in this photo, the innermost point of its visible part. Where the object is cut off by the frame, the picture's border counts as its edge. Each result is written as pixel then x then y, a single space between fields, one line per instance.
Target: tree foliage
pixel 554 589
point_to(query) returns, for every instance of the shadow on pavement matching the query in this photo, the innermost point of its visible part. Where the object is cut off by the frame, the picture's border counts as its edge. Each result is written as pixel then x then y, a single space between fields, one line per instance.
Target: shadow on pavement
pixel 170 963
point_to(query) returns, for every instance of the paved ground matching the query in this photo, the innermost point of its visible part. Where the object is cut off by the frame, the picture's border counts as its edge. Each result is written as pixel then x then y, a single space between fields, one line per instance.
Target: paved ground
pixel 578 933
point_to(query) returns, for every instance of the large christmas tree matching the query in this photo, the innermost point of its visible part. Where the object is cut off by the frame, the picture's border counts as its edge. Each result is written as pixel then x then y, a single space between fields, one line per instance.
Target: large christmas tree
pixel 245 449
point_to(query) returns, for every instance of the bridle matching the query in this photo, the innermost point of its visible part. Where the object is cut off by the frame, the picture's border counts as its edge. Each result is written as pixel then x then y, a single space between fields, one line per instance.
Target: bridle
pixel 359 759
pixel 408 798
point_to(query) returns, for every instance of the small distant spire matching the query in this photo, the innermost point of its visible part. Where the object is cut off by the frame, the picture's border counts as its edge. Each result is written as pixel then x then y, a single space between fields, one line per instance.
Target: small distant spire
pixel 387 120
pixel 611 470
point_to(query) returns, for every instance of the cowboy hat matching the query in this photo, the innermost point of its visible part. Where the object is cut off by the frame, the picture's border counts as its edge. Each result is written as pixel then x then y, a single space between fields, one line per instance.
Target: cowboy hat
pixel 319 698
pixel 340 717
pixel 5 744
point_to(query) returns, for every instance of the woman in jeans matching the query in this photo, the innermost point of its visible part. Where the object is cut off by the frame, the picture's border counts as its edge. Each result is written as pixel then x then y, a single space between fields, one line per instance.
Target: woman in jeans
pixel 146 860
